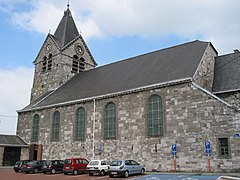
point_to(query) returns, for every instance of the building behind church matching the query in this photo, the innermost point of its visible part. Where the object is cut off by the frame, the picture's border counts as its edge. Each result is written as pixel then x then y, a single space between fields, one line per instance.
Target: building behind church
pixel 138 108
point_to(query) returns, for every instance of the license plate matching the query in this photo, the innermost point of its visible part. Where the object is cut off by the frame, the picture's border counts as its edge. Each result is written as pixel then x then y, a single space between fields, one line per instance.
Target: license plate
pixel 113 172
pixel 44 166
pixel 67 167
pixel 16 165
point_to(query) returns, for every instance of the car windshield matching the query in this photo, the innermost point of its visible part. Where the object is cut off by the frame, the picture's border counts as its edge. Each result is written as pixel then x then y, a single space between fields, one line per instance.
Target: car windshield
pixel 18 162
pixel 94 163
pixel 25 162
pixel 68 161
pixel 116 163
pixel 47 163
pixel 31 162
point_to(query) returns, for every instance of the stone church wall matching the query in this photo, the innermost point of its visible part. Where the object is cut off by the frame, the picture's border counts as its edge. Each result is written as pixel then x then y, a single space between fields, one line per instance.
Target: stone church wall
pixel 24 153
pixel 191 118
pixel 205 72
pixel 61 68
pixel 1 155
pixel 231 97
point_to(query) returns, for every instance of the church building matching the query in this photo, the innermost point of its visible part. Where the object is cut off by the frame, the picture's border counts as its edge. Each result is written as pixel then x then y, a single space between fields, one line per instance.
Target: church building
pixel 180 103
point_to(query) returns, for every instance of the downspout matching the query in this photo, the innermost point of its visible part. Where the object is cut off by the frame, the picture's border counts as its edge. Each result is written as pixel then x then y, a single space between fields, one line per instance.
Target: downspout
pixel 94 118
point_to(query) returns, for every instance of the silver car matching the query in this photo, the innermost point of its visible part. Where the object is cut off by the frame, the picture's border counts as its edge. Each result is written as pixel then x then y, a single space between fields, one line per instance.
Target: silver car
pixel 125 168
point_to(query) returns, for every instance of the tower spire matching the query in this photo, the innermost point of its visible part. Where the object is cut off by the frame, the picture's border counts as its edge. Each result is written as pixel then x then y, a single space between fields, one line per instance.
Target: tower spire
pixel 67 29
pixel 68 4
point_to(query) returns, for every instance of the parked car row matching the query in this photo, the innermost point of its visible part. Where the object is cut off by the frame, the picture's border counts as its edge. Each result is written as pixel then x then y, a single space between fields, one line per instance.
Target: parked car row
pixel 80 165
pixel 35 166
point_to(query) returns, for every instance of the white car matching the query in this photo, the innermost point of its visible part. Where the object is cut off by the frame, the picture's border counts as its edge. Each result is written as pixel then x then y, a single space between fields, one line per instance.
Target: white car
pixel 98 166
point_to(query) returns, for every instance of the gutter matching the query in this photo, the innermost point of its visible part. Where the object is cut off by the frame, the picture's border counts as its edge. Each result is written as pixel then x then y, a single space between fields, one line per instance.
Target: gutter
pixel 226 91
pixel 14 145
pixel 215 97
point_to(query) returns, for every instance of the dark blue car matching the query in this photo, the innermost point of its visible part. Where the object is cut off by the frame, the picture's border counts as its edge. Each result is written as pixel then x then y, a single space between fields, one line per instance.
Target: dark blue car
pixel 33 166
pixel 52 166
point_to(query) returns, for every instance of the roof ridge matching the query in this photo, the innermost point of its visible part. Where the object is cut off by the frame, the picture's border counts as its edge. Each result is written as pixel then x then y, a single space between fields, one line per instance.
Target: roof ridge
pixel 228 54
pixel 158 67
pixel 133 57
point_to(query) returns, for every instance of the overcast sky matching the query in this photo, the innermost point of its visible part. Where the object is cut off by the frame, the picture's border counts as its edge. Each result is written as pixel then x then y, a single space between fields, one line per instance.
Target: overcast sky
pixel 113 29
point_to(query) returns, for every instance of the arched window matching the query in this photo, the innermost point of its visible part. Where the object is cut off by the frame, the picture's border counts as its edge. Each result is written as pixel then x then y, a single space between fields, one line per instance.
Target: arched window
pixel 55 126
pixel 81 64
pixel 110 121
pixel 35 128
pixel 44 64
pixel 75 64
pixel 154 116
pixel 79 130
pixel 78 65
pixel 49 64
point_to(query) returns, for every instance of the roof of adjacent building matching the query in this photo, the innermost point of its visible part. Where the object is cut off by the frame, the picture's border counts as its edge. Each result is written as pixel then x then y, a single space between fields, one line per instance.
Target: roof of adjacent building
pixel 162 66
pixel 226 73
pixel 12 140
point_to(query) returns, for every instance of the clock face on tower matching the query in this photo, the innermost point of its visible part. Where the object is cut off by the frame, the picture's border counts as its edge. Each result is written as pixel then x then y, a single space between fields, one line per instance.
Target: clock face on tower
pixel 79 49
pixel 48 47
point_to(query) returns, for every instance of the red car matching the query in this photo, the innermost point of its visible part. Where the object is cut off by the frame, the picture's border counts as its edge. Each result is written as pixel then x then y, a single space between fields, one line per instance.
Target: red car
pixel 75 166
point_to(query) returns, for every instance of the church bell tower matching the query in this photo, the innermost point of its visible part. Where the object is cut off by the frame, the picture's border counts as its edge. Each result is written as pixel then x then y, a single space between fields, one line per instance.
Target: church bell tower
pixel 62 55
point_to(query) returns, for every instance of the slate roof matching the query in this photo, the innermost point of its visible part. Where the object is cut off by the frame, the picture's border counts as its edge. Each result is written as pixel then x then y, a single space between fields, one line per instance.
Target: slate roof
pixel 227 73
pixel 66 30
pixel 166 65
pixel 12 141
pixel 66 33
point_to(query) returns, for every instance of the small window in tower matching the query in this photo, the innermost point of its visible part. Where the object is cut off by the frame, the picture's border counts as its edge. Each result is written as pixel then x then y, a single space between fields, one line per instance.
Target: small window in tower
pixel 49 66
pixel 75 57
pixel 82 64
pixel 75 64
pixel 44 64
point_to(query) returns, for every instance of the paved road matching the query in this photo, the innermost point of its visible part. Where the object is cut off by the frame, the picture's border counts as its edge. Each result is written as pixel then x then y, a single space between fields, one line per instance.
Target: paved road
pixel 176 177
pixel 9 174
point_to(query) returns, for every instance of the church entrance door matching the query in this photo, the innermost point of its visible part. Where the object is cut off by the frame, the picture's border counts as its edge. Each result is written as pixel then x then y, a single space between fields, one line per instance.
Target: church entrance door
pixel 35 152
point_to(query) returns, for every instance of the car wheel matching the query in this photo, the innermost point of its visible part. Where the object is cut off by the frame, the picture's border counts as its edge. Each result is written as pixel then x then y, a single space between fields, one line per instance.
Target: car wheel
pixel 75 172
pixel 35 170
pixel 142 171
pixel 110 175
pixel 53 171
pixel 90 174
pixel 126 174
pixel 102 172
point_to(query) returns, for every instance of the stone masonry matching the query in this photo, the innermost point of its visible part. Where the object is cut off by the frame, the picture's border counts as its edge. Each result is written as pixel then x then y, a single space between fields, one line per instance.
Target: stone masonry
pixel 191 117
pixel 61 70
pixel 1 155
